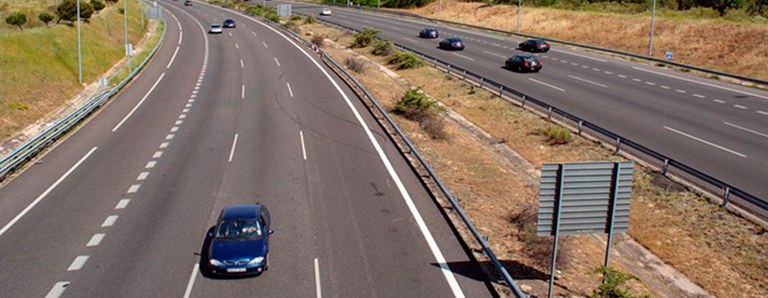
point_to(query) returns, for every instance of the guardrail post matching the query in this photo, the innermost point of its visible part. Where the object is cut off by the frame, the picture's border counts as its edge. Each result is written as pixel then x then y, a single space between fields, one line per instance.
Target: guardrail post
pixel 448 69
pixel 464 75
pixel 665 168
pixel 581 124
pixel 618 145
pixel 549 113
pixel 726 195
pixel 524 98
pixel 501 91
pixel 481 82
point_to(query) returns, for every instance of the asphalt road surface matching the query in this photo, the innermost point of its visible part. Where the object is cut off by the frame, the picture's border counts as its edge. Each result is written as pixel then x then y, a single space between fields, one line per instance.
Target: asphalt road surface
pixel 121 208
pixel 716 127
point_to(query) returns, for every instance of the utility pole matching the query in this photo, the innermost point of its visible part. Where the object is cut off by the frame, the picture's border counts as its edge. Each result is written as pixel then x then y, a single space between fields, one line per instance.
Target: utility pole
pixel 79 47
pixel 653 19
pixel 519 8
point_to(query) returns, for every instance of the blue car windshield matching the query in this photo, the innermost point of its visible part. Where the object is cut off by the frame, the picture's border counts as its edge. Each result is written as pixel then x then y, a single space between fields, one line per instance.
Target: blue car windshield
pixel 239 229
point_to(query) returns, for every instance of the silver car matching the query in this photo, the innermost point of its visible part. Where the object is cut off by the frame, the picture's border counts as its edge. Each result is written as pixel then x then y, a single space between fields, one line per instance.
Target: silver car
pixel 215 28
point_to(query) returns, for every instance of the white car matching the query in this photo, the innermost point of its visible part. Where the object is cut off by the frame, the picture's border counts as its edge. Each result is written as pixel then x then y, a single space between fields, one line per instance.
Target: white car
pixel 325 12
pixel 215 28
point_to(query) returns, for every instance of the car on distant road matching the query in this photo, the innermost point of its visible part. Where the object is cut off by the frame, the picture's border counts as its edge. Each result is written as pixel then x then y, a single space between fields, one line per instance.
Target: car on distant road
pixel 428 33
pixel 215 28
pixel 534 45
pixel 453 43
pixel 325 12
pixel 523 63
pixel 239 243
pixel 188 3
pixel 229 23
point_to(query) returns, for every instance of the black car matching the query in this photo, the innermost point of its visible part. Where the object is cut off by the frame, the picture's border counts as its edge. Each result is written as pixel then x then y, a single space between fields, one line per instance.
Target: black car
pixel 229 23
pixel 523 63
pixel 239 242
pixel 453 43
pixel 534 45
pixel 188 3
pixel 428 33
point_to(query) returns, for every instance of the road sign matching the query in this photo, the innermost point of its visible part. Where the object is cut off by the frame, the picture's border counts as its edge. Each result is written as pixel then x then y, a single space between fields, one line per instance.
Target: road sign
pixel 668 55
pixel 284 10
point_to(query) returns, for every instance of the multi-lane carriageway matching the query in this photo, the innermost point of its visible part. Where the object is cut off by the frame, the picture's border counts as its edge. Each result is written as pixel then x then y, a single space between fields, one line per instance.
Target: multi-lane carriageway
pixel 121 207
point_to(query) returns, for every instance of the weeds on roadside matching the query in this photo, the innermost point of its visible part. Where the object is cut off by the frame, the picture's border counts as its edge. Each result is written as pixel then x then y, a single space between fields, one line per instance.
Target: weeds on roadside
pixel 417 106
pixel 356 65
pixel 383 48
pixel 557 135
pixel 406 60
pixel 365 37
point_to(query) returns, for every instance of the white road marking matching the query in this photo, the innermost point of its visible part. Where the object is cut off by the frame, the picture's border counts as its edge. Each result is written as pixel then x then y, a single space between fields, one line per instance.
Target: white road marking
pixel 317 279
pixel 139 104
pixel 182 116
pixel 574 64
pixel 241 64
pixel 265 44
pixel 278 62
pixel 411 40
pixel 179 122
pixel 157 154
pixel 254 33
pixel 290 91
pixel 465 57
pixel 194 92
pixel 762 112
pixel 142 176
pixel 122 204
pixel 747 129
pixel 705 142
pixel 45 193
pixel 582 56
pixel 563 61
pixel 95 240
pixel 237 46
pixel 185 110
pixel 622 76
pixel 548 85
pixel 242 92
pixel 109 221
pixel 192 97
pixel 607 72
pixel 740 107
pixel 495 44
pixel 718 100
pixel 150 164
pixel 665 87
pixel 595 69
pixel 303 147
pixel 494 54
pixel 650 83
pixel 700 83
pixel 699 95
pixel 637 80
pixel 584 66
pixel 173 57
pixel 232 151
pixel 57 289
pixel 78 263
pixel 191 281
pixel 134 188
pixel 176 128
pixel 681 91
pixel 554 59
pixel 181 36
pixel 230 34
pixel 439 258
pixel 189 105
pixel 169 136
pixel 587 81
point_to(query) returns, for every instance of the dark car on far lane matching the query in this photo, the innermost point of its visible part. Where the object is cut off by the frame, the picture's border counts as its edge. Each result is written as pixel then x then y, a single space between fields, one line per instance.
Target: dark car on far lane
pixel 523 63
pixel 188 3
pixel 229 23
pixel 453 43
pixel 534 45
pixel 240 241
pixel 428 33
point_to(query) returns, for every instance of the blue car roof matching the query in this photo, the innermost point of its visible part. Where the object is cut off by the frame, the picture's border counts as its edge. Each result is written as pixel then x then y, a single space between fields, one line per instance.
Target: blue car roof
pixel 244 211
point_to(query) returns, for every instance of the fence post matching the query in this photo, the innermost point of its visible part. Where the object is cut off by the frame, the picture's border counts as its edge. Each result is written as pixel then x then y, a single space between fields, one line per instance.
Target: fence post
pixel 501 91
pixel 481 82
pixel 618 145
pixel 448 69
pixel 726 195
pixel 524 98
pixel 665 168
pixel 464 75
pixel 549 113
pixel 581 123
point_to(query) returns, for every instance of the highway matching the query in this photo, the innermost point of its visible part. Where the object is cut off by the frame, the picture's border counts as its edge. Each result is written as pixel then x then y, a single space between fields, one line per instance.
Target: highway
pixel 716 127
pixel 122 206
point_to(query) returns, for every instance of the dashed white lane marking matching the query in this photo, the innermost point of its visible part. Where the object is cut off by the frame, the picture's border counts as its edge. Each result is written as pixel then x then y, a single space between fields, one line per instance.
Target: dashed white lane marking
pixel 585 67
pixel 700 83
pixel 608 72
pixel 191 97
pixel 563 61
pixel 254 33
pixel 265 44
pixel 317 279
pixel 276 61
pixel 194 92
pixel 237 46
pixel 142 176
pixel 157 154
pixel 191 282
pixel 175 128
pixel 495 44
pixel 762 113
pixel 232 151
pixel 134 188
pixel 699 95
pixel 582 56
pixel 637 80
pixel 746 129
pixel 57 289
pixel 230 34
pixel 303 147
pixel 122 204
pixel 411 40
pixel 173 57
pixel 45 193
pixel 574 64
pixel 182 116
pixel 189 105
pixel 241 64
pixel 95 240
pixel 465 57
pixel 650 83
pixel 179 122
pixel 242 92
pixel 587 81
pixel 681 91
pixel 740 107
pixel 621 76
pixel 494 54
pixel 78 263
pixel 595 69
pixel 183 111
pixel 705 142
pixel 109 221
pixel 665 87
pixel 548 85
pixel 138 104
pixel 169 136
pixel 150 164
pixel 290 91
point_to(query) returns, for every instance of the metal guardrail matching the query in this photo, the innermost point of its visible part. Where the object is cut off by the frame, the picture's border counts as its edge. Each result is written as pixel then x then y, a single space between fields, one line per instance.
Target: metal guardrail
pixel 586 46
pixel 341 71
pixel 665 164
pixel 30 148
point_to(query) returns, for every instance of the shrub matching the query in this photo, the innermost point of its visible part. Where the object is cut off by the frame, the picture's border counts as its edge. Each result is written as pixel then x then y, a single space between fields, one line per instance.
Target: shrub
pixel 406 60
pixel 414 103
pixel 434 127
pixel 272 17
pixel 365 37
pixel 611 288
pixel 356 65
pixel 557 135
pixel 295 17
pixel 317 40
pixel 310 20
pixel 45 18
pixel 18 106
pixel 17 19
pixel 383 48
pixel 67 11
pixel 97 5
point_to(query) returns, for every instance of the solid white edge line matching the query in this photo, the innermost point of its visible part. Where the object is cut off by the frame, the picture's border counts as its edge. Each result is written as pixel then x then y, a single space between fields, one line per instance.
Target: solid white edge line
pixel 242 92
pixel 439 258
pixel 494 54
pixel 705 142
pixel 57 289
pixel 548 85
pixel 95 240
pixel 46 192
pixel 191 282
pixel 746 129
pixel 173 57
pixel 78 263
pixel 181 36
pixel 587 81
pixel 290 91
pixel 303 147
pixel 138 104
pixel 582 56
pixel 700 83
pixel 317 279
pixel 232 151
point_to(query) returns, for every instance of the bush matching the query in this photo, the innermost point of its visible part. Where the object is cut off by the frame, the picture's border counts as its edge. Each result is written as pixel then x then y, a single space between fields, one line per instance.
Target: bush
pixel 365 37
pixel 272 17
pixel 414 102
pixel 383 48
pixel 310 20
pixel 557 135
pixel 45 18
pixel 611 288
pixel 97 5
pixel 356 65
pixel 317 40
pixel 18 106
pixel 434 127
pixel 17 19
pixel 406 60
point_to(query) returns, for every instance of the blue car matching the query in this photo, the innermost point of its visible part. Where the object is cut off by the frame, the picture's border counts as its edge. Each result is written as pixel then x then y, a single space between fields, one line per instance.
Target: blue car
pixel 428 33
pixel 240 241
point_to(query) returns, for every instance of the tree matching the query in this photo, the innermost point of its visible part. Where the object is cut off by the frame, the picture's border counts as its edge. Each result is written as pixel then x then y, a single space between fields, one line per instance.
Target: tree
pixel 17 19
pixel 97 5
pixel 86 11
pixel 757 7
pixel 722 5
pixel 67 11
pixel 45 18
